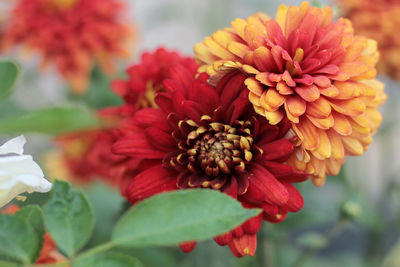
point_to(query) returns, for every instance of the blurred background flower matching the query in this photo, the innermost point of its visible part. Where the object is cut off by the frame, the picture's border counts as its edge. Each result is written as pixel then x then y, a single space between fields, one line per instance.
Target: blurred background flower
pixel 71 34
pixel 378 20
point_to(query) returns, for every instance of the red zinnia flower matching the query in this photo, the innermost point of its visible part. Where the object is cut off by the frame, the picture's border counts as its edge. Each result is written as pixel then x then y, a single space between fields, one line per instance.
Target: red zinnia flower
pixel 71 33
pixel 145 78
pixel 206 137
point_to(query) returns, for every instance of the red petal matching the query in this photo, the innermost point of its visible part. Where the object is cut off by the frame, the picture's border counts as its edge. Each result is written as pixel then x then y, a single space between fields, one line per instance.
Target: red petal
pixel 279 216
pixel 245 245
pixel 229 90
pixel 296 201
pixel 238 231
pixel 137 145
pixel 231 188
pixel 150 182
pixel 180 73
pixel 252 226
pixel 164 101
pixel 187 246
pixel 277 150
pixel 223 239
pixel 263 181
pixel 160 139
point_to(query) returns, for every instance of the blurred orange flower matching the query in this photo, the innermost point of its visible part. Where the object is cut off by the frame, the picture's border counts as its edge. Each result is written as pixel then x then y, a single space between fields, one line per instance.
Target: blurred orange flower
pixel 379 20
pixel 307 68
pixel 72 34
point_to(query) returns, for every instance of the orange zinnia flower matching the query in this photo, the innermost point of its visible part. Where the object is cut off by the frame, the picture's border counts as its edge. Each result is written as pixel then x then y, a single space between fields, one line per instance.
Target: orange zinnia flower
pixel 72 34
pixel 381 22
pixel 303 66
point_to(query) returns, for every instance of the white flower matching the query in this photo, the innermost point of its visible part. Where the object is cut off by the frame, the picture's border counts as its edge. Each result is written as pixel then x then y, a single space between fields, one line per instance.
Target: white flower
pixel 18 172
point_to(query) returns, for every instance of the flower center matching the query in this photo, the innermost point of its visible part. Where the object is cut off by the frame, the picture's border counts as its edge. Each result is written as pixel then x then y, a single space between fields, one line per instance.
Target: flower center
pixel 214 148
pixel 59 4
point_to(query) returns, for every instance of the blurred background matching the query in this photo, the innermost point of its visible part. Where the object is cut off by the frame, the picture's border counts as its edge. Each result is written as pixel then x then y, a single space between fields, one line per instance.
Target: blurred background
pixel 354 220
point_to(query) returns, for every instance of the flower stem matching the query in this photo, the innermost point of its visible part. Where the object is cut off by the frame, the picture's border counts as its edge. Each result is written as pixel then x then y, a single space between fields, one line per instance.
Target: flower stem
pixel 309 252
pixel 100 248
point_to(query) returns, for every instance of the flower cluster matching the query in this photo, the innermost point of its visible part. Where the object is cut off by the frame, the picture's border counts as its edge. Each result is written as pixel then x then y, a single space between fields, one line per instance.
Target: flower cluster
pixel 379 21
pixel 72 34
pixel 309 69
pixel 272 102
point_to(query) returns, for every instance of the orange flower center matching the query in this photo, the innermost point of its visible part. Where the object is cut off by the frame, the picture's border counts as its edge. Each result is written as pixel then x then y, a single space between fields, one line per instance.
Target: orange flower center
pixel 59 4
pixel 214 149
pixel 147 99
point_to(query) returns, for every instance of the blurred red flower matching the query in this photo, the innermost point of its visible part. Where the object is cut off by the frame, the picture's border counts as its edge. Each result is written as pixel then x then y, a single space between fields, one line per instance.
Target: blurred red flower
pixel 206 137
pixel 72 34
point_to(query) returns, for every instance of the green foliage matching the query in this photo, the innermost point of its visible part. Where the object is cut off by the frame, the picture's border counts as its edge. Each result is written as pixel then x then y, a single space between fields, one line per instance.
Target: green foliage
pixel 8 264
pixel 19 241
pixel 99 93
pixel 108 259
pixel 34 216
pixel 55 120
pixel 8 75
pixel 69 217
pixel 179 216
pixel 107 205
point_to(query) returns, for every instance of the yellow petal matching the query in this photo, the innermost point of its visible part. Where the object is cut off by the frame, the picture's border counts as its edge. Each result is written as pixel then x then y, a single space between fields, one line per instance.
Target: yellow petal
pixel 217 50
pixel 254 86
pixel 308 133
pixel 320 108
pixel 352 146
pixel 238 49
pixel 341 124
pixel 271 100
pixel 324 149
pixel 295 105
pixel 351 107
pixel 238 25
pixel 324 123
pixel 336 144
pixel 274 117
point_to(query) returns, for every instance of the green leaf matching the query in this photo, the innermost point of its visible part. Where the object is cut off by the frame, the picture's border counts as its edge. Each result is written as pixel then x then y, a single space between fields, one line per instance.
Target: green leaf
pixel 107 204
pixel 8 75
pixel 34 216
pixel 8 264
pixel 18 239
pixel 69 217
pixel 107 259
pixel 54 120
pixel 179 216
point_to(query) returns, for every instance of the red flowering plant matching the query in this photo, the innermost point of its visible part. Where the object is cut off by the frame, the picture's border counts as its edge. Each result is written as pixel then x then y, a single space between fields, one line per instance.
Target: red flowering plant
pixel 86 155
pixel 205 137
pixel 71 34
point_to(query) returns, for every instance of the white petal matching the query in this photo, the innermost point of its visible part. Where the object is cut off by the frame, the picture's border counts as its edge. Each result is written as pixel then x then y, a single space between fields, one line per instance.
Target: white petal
pixel 19 173
pixel 15 145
